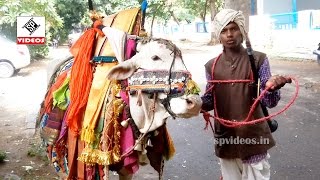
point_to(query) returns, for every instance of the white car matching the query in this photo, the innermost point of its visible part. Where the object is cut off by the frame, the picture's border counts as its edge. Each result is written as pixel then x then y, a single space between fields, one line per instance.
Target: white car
pixel 13 57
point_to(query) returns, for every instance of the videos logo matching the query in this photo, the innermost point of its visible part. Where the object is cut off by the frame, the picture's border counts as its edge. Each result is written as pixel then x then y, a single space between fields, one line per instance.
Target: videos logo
pixel 30 30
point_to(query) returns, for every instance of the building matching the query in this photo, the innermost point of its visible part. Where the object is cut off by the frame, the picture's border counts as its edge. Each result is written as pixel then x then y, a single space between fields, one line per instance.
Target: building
pixel 289 14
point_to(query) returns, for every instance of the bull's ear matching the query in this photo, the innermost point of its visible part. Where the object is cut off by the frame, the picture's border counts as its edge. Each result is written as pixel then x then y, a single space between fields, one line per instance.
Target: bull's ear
pixel 122 71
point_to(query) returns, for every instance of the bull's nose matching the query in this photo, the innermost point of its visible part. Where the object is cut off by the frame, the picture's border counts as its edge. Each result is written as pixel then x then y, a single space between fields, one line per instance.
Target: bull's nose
pixel 193 102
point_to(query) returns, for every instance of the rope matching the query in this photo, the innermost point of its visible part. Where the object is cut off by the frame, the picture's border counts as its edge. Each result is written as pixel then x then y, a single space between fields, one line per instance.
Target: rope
pixel 246 121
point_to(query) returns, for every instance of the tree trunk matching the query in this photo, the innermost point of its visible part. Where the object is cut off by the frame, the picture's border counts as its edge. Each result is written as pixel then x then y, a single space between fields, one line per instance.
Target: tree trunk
pixel 204 17
pixel 152 21
pixel 174 17
pixel 213 12
pixel 242 5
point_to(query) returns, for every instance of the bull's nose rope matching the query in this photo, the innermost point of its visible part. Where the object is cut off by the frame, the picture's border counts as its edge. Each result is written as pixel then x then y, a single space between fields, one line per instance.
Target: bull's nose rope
pixel 246 121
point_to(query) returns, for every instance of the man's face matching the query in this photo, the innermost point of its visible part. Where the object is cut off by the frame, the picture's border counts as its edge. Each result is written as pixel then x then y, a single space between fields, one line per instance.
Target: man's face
pixel 231 36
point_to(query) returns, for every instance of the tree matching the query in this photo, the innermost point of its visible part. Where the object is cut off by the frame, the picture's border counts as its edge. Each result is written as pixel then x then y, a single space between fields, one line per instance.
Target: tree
pixel 160 10
pixel 71 11
pixel 196 9
pixel 215 6
pixel 242 5
pixel 10 9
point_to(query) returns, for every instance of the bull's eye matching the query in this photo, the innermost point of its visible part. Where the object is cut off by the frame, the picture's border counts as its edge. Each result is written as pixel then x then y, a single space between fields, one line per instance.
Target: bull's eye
pixel 155 58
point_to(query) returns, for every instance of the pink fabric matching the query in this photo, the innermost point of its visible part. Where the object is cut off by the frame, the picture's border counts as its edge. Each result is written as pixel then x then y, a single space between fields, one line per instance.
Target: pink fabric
pixel 64 128
pixel 130 162
pixel 90 172
pixel 130 48
pixel 127 141
pixel 124 95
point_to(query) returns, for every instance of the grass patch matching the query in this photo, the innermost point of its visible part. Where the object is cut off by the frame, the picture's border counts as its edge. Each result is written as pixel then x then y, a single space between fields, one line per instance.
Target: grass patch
pixel 36 150
pixel 3 156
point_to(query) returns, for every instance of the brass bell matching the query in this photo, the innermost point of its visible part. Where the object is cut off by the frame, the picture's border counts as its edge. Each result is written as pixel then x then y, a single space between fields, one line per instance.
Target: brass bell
pixel 155 133
pixel 125 123
pixel 138 146
pixel 144 151
pixel 149 143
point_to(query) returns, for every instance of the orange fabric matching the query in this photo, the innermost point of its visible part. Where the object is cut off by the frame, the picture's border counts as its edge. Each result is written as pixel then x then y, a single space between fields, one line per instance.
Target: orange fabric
pixel 81 77
pixel 72 156
pixel 76 168
pixel 77 45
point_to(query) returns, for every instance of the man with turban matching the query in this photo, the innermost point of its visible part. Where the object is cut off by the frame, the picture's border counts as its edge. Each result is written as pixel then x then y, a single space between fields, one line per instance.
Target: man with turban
pixel 242 150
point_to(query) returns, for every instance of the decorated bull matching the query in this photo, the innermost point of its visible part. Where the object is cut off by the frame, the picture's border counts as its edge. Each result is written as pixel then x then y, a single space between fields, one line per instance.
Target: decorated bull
pixel 106 108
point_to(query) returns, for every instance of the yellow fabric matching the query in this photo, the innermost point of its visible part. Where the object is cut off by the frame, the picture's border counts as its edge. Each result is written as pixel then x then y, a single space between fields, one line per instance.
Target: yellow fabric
pixel 99 87
pixel 123 21
pixel 109 152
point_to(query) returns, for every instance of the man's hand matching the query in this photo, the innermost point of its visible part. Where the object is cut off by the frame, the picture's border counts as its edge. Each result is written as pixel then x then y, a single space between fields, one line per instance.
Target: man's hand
pixel 276 82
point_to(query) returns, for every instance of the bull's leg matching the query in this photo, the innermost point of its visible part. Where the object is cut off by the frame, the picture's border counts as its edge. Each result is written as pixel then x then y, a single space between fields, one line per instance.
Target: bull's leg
pixel 124 175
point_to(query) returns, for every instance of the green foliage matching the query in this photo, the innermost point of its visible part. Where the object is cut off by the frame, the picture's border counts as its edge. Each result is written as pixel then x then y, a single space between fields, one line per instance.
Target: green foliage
pixel 13 8
pixel 160 10
pixel 39 51
pixel 112 6
pixel 3 156
pixel 10 9
pixel 71 12
pixel 219 4
pixel 194 8
pixel 37 151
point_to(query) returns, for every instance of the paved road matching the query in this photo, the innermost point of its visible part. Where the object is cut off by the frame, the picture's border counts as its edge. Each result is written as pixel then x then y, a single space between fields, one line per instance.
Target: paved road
pixel 295 157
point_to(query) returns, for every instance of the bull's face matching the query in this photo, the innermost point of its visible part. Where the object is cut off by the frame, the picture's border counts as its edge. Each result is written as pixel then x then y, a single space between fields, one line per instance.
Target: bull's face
pixel 159 85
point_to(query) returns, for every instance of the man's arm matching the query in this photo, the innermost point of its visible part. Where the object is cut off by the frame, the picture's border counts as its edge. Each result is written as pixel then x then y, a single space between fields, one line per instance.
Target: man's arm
pixel 270 99
pixel 207 98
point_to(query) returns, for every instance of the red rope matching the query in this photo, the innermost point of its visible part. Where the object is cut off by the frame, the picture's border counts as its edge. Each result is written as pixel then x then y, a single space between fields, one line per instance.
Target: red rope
pixel 246 121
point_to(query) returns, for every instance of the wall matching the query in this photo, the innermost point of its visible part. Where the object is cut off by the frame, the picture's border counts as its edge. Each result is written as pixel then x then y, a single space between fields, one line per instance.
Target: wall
pixel 277 6
pixel 308 4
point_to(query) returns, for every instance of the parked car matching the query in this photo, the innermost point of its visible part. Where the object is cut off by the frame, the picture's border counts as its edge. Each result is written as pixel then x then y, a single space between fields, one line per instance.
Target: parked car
pixel 13 57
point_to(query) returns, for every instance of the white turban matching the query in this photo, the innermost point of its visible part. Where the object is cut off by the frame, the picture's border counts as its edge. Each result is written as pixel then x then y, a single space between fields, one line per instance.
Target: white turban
pixel 224 17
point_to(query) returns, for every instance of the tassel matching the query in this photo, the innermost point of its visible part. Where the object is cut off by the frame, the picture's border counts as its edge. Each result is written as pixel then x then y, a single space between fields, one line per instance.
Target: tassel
pixel 206 117
pixel 81 76
pixel 192 87
pixel 87 135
